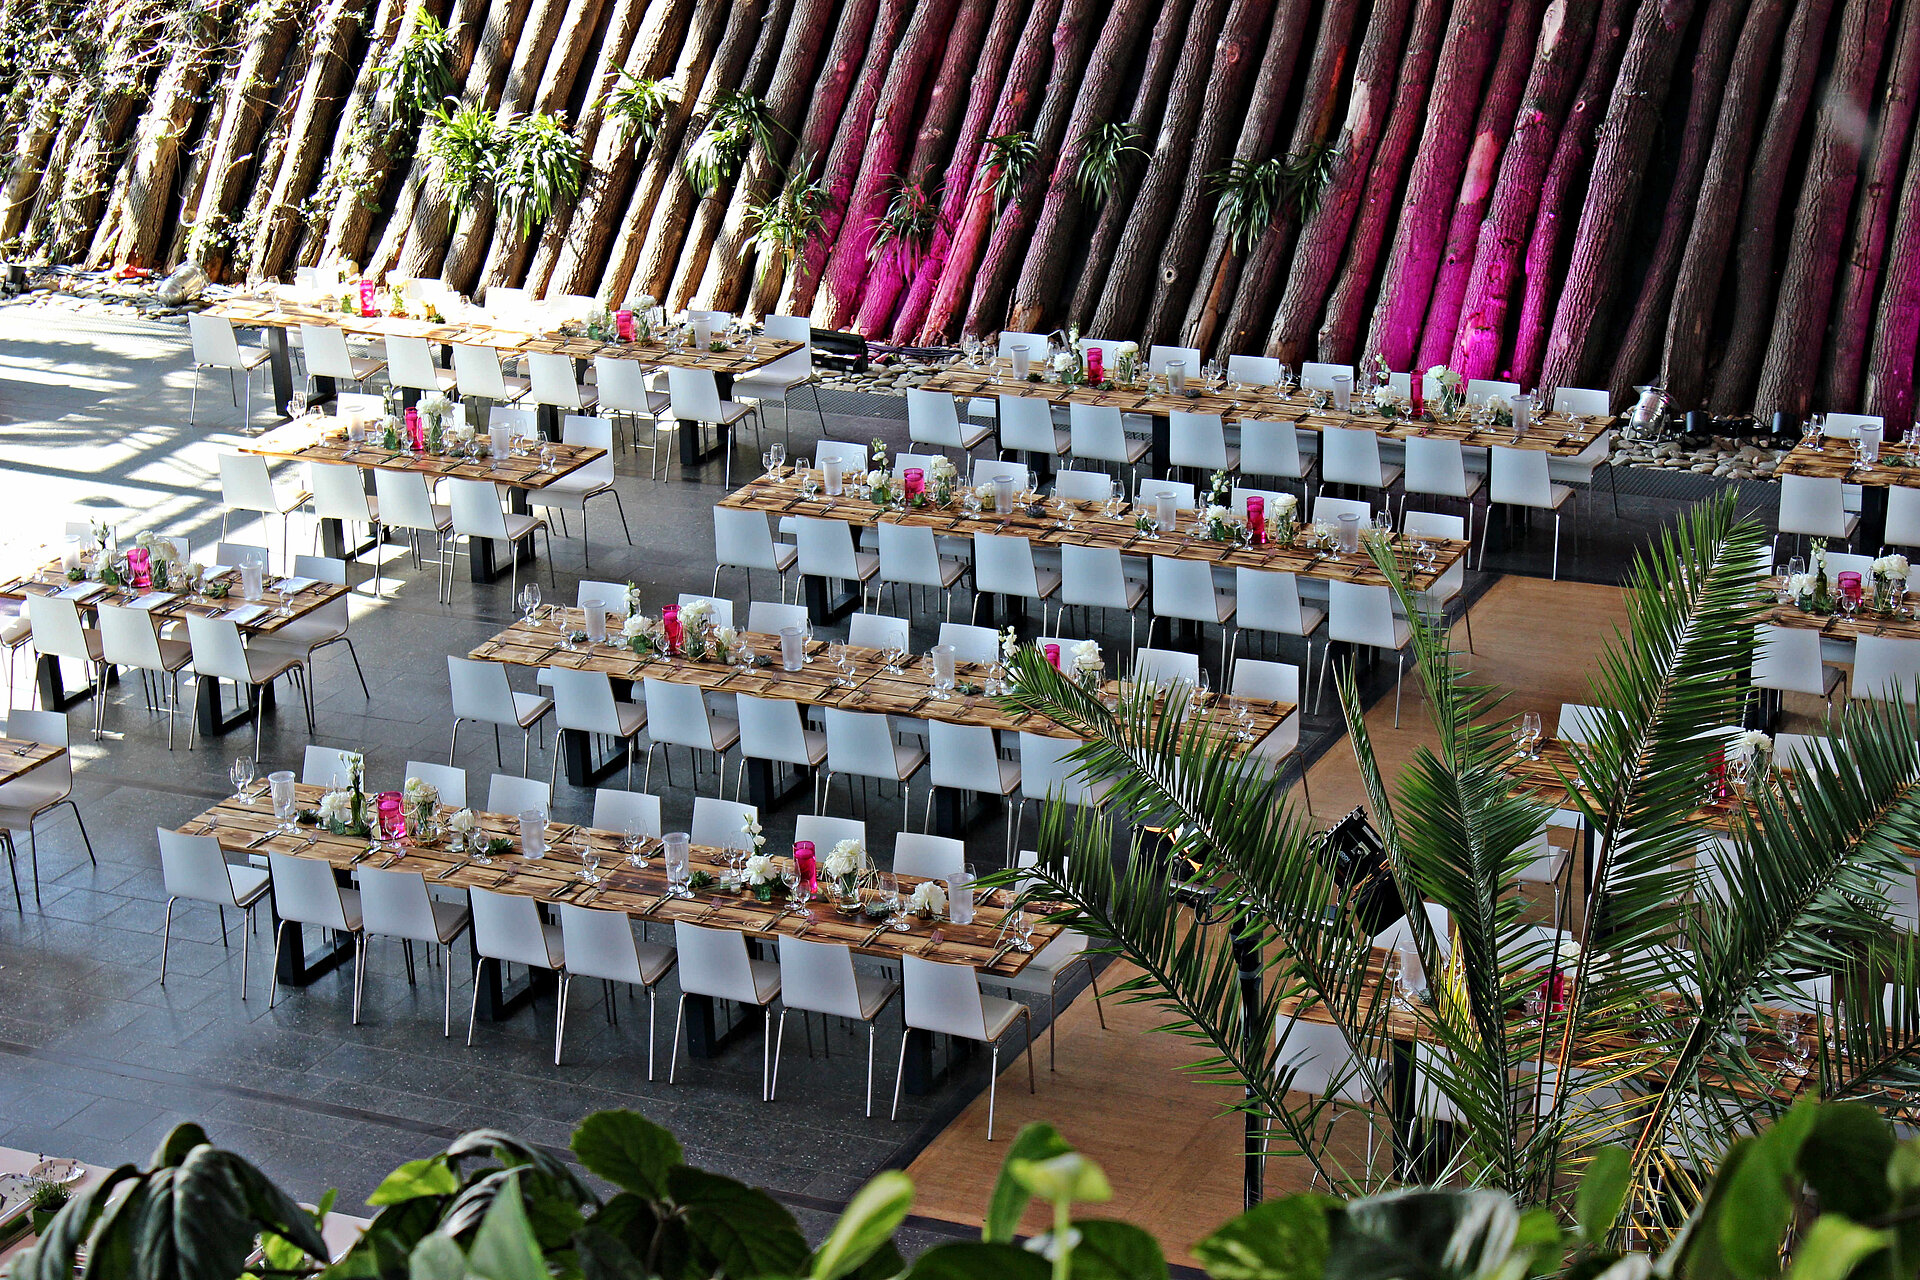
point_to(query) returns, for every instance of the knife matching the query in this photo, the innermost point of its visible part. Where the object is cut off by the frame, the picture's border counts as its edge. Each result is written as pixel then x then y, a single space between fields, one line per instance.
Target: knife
pixel 658 902
pixel 995 959
pixel 877 931
pixel 455 867
pixel 566 888
pixel 260 839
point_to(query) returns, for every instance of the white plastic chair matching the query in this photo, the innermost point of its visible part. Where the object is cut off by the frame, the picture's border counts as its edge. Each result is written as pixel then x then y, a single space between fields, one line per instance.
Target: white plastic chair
pixel 1199 440
pixel 218 654
pixel 476 511
pixel 720 824
pixel 1184 589
pixel 128 638
pixel 1328 510
pixel 946 999
pixel 600 944
pixel 1351 455
pixel 195 868
pixel 58 633
pixel 583 701
pixel 714 963
pixel 305 892
pixel 39 791
pixel 396 904
pixel 933 418
pixel 245 485
pixel 1449 586
pixel 1885 668
pixel 1096 578
pixel 216 346
pixel 1083 486
pixel 964 757
pixel 1518 478
pixel 678 716
pixel 971 643
pixel 1269 600
pixel 778 379
pixel 449 780
pixel 1026 426
pixel 1048 777
pixel 929 857
pixel 772 729
pixel 507 929
pixel 318 628
pixel 1318 376
pixel 694 396
pixel 826 550
pixel 324 348
pixel 1163 668
pixel 410 364
pixel 743 540
pixel 909 557
pixel 768 618
pixel 324 766
pixel 1274 682
pixel 862 745
pixel 876 630
pixel 1273 449
pixel 626 391
pixel 509 794
pixel 1003 565
pixel 1438 468
pixel 818 977
pixel 552 383
pixel 1096 432
pixel 1787 659
pixel 1362 614
pixel 1041 974
pixel 406 503
pixel 574 490
pixel 1815 506
pixel 477 371
pixel 1903 516
pixel 1184 495
pixel 1481 390
pixel 482 694
pixel 1254 371
pixel 340 493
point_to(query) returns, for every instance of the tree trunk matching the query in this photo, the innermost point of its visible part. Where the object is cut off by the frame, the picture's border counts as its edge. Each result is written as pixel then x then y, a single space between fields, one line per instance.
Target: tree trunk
pixel 1490 134
pixel 31 150
pixel 1438 162
pixel 956 183
pixel 1719 33
pixel 1847 352
pixel 1820 226
pixel 313 118
pixel 1754 269
pixel 976 214
pixel 1619 163
pixel 1340 332
pixel 580 254
pixel 1006 244
pixel 1223 100
pixel 930 150
pixel 1683 361
pixel 1323 234
pixel 1896 331
pixel 844 158
pixel 1563 173
pixel 69 221
pixel 369 144
pixel 1197 91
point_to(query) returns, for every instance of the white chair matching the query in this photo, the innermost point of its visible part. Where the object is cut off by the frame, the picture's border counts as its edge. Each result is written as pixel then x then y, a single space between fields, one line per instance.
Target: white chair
pixel 58 633
pixel 507 929
pixel 1318 376
pixel 1583 402
pixel 826 550
pixel 1254 371
pixel 1096 432
pixel 1885 669
pixel 1083 486
pixel 863 746
pixel 1787 659
pixel 986 470
pixel 1351 455
pixel 410 364
pixel 305 892
pixel 245 485
pixel 1003 565
pixel 1815 506
pixel 1048 777
pixel 964 757
pixel 406 503
pixel 509 794
pixel 909 557
pixel 768 618
pixel 128 638
pixel 626 391
pixel 1903 516
pixel 714 963
pixel 1481 390
pixel 1547 866
pixel 933 418
pixel 694 396
pixel 340 493
pixel 623 811
pixel 449 780
pixel 477 371
pixel 1026 426
pixel 1096 578
pixel 721 824
pixel 325 766
pixel 1273 449
pixel 1328 510
pixel 476 511
pixel 39 791
pixel 946 999
pixel 1450 585
pixel 216 346
pixel 552 383
pixel 743 540
pixel 1362 614
pixel 521 423
pixel 481 694
pixel 574 490
pixel 876 631
pixel 852 454
pixel 1158 356
pixel 1041 974
pixel 1184 496
pixel 324 347
pixel 1164 668
pixel 772 729
pixel 1518 478
pixel 1269 600
pixel 818 977
pixel 195 868
pixel 600 944
pixel 780 378
pixel 971 643
pixel 218 654
pixel 927 856
pixel 720 612
pixel 1438 468
pixel 1199 440
pixel 1802 750
pixel 678 716
pixel 396 904
pixel 1184 589
pixel 16 632
pixel 318 628
pixel 1274 682
pixel 583 701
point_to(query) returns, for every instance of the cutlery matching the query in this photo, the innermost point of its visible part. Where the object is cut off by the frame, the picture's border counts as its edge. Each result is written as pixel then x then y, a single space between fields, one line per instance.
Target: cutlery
pixel 259 840
pixel 563 890
pixel 455 867
pixel 877 931
pixel 771 922
pixel 934 939
pixel 505 876
pixel 364 854
pixel 658 902
pixel 995 959
pixel 390 859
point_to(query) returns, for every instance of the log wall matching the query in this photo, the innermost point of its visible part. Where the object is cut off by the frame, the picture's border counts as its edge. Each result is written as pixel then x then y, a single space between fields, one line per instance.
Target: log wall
pixel 1558 192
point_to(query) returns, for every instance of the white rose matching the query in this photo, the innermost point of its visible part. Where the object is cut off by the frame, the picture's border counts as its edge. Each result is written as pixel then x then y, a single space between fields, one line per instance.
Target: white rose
pixel 1799 584
pixel 1893 566
pixel 1569 951
pixel 1063 361
pixel 1009 644
pixel 1127 349
pixel 695 611
pixel 463 822
pixel 845 858
pixel 928 898
pixel 876 478
pixel 645 302
pixel 984 492
pixel 759 869
pixel 419 792
pixel 635 625
pixel 1286 504
pixel 1217 513
pixel 724 637
pixel 336 806
pixel 393 422
pixel 1755 741
pixel 1086 654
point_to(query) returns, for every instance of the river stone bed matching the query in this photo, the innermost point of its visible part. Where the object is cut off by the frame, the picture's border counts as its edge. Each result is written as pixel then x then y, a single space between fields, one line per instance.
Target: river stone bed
pixel 1720 456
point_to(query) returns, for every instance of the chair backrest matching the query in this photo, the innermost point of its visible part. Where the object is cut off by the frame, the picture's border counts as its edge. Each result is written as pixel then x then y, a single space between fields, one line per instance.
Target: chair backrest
pixel 962 755
pixel 1578 723
pixel 600 944
pixel 476 508
pixel 48 728
pixel 1046 774
pixel 339 492
pixel 194 867
pixel 1481 390
pixel 826 547
pixel 1270 449
pixel 127 637
pixel 926 856
pixel 1328 510
pixel 481 691
pixel 450 780
pixel 1184 589
pixel 1350 455
pixel 506 302
pixel 325 349
pixel 1083 486
pixel 904 460
pixel 1026 424
pixel 1196 440
pixel 410 364
pixel 1812 505
pixel 1436 466
pixel 239 553
pixel 986 470
pixel 1093 577
pixel 1839 562
pixel 217 650
pixel 616 810
pixel 860 743
pixel 621 384
pixel 852 454
pixel 506 926
pixel 719 610
pixel 1184 496
pixel 1242 492
pixel 720 824
pixel 1799 750
pixel 325 766
pixel 1585 402
pixel 694 394
pixel 477 369
pixel 245 484
pixel 908 554
pixel 768 617
pixel 1036 343
pixel 1519 476
pixel 743 540
pixel 1004 563
pixel 1885 669
pixel 584 700
pixel 551 378
pixel 1163 667
pixel 1267 600
pixel 1274 681
pixel 942 998
pixel 771 729
pixel 1318 376
pixel 676 713
pixel 396 904
pixel 1360 613
pixel 1096 432
pixel 875 630
pixel 818 976
pixel 405 502
pixel 1157 357
pixel 971 643
pixel 826 832
pixel 713 962
pixel 1788 658
pixel 611 595
pixel 519 421
pixel 214 341
pixel 510 793
pixel 932 418
pixel 304 890
pixel 1847 425
pixel 1432 524
pixel 1903 515
pixel 1257 371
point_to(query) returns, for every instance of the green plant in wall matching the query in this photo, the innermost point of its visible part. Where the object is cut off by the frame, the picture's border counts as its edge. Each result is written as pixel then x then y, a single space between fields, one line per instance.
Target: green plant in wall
pixel 1252 194
pixel 1009 155
pixel 467 145
pixel 543 166
pixel 1108 152
pixel 782 223
pixel 739 120
pixel 418 74
pixel 906 229
pixel 639 107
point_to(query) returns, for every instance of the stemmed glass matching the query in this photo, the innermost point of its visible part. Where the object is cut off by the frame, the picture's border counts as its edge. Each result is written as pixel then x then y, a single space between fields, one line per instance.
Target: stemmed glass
pixel 241 773
pixel 1242 719
pixel 1022 925
pixel 1790 1028
pixel 743 652
pixel 589 862
pixel 842 660
pixel 891 655
pixel 529 600
pixel 546 456
pixel 633 839
pixel 1396 974
pixel 1033 485
pixel 1815 431
pixel 790 877
pixel 296 406
pixel 1530 730
pixel 806 635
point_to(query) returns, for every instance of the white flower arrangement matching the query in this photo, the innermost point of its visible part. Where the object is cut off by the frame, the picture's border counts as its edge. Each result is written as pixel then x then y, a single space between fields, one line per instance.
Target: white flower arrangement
pixel 1128 349
pixel 463 822
pixel 1063 361
pixel 1753 742
pixel 635 625
pixel 1447 378
pixel 724 637
pixel 984 492
pixel 1799 586
pixel 927 899
pixel 356 765
pixel 1009 644
pixel 1569 951
pixel 751 833
pixel 645 302
pixel 941 468
pixel 1891 566
pixel 845 858
pixel 879 448
pixel 1284 506
pixel 419 792
pixel 876 478
pixel 760 870
pixel 336 807
pixel 435 406
pixel 695 612
pixel 1086 656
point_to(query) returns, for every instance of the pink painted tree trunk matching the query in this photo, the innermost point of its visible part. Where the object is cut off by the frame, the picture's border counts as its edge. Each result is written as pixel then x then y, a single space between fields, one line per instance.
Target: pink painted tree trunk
pixel 1896 331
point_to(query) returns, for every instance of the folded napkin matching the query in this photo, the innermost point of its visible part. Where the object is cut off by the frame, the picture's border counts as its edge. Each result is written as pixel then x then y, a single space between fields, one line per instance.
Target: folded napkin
pixel 245 613
pixel 153 600
pixel 294 586
pixel 81 591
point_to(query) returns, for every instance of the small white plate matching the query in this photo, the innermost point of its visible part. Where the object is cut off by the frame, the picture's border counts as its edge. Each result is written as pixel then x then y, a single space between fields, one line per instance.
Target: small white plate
pixel 58 1170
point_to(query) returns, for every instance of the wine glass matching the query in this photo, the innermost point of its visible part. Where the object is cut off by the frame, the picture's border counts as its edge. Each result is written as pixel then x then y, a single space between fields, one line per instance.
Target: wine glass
pixel 546 456
pixel 842 659
pixel 1530 728
pixel 1022 924
pixel 1816 431
pixel 296 406
pixel 791 878
pixel 529 600
pixel 241 773
pixel 806 636
pixel 1790 1029
pixel 1396 977
pixel 766 460
pixel 633 838
pixel 589 862
pixel 891 655
pixel 1033 484
pixel 743 652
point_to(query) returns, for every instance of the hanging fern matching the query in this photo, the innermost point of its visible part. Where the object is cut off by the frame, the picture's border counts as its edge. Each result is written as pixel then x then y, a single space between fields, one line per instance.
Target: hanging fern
pixel 418 74
pixel 544 166
pixel 468 145
pixel 1307 175
pixel 1008 157
pixel 782 224
pixel 907 227
pixel 1105 159
pixel 1253 193
pixel 640 106
pixel 740 118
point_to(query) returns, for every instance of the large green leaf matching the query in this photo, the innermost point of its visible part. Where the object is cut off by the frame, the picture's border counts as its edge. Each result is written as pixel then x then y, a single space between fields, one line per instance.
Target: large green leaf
pixel 436 1258
pixel 1422 1235
pixel 972 1260
pixel 504 1247
pixel 51 1257
pixel 428 1177
pixel 628 1150
pixel 868 1222
pixel 1010 1198
pixel 1603 1190
pixel 740 1230
pixel 1110 1250
pixel 1278 1240
pixel 603 1257
pixel 1833 1246
pixel 1762 1195
pixel 1845 1158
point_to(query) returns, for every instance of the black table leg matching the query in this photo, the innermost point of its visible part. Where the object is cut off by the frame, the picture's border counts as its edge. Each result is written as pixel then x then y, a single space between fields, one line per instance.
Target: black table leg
pixel 294 965
pixel 703 1040
pixel 1873 518
pixel 1161 451
pixel 53 688
pixel 494 1001
pixel 577 746
pixel 212 722
pixel 822 605
pixel 916 1070
pixel 280 361
pixel 954 816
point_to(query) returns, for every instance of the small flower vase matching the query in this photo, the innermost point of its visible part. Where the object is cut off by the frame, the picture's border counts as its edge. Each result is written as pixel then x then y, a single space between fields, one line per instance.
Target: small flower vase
pixel 456 840
pixel 1096 365
pixel 623 324
pixel 808 863
pixel 1257 521
pixel 416 433
pixel 1092 679
pixel 1053 656
pixel 846 891
pixel 140 568
pixel 671 628
pixel 763 891
pixel 393 822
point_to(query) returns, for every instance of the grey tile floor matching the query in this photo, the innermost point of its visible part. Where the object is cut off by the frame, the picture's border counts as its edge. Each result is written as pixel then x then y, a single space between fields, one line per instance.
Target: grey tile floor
pixel 98 1060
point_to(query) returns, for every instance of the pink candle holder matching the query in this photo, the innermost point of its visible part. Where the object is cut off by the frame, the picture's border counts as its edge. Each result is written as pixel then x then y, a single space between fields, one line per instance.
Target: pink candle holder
pixel 808 865
pixel 913 482
pixel 1096 365
pixel 140 567
pixel 1417 393
pixel 1053 655
pixel 366 297
pixel 1850 586
pixel 416 434
pixel 393 822
pixel 670 625
pixel 623 324
pixel 1257 520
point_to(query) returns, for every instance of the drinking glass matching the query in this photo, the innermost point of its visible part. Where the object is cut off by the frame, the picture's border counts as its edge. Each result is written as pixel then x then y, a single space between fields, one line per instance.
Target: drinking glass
pixel 837 655
pixel 806 635
pixel 296 405
pixel 1022 930
pixel 891 656
pixel 633 838
pixel 766 460
pixel 529 599
pixel 589 863
pixel 779 453
pixel 546 456
pixel 1033 485
pixel 1242 720
pixel 285 805
pixel 1816 431
pixel 241 773
pixel 790 877
pixel 676 846
pixel 743 652
pixel 1530 725
pixel 1396 977
pixel 1533 1004
pixel 1791 1030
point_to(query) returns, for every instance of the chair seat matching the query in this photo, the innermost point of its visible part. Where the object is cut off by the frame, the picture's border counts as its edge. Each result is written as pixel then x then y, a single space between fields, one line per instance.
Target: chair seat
pixel 516 387
pixel 999 1013
pixel 814 744
pixel 92 638
pixel 633 716
pixel 25 798
pixel 449 920
pixel 1009 777
pixel 655 961
pixel 873 992
pixel 529 707
pixel 445 379
pixel 865 564
pixel 731 412
pixel 656 404
pixel 725 730
pixel 766 980
pixel 1134 447
pixel 1310 619
pixel 1039 973
pixel 571 490
pixel 300 635
pixel 349 910
pixel 1224 604
pixel 266 663
pixel 1233 462
pixel 1045 582
pixel 1559 493
pixel 15 632
pixel 250 884
pixel 785 553
pixel 1476 481
pixel 971 435
pixel 519 526
pixel 286 500
pixel 762 386
pixel 175 654
pixel 249 360
pixel 365 367
pixel 907 757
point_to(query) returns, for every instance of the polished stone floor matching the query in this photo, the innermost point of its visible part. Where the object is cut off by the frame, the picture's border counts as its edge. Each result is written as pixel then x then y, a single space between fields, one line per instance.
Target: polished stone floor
pixel 97 1060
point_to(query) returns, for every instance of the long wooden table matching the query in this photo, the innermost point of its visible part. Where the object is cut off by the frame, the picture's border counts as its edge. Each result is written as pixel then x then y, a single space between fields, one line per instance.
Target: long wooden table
pixel 20 757
pixel 1837 459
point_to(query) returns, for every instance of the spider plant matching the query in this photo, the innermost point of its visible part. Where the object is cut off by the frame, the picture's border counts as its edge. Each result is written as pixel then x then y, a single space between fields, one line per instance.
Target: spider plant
pixel 740 119
pixel 906 229
pixel 1104 160
pixel 1672 963
pixel 1009 155
pixel 640 106
pixel 418 73
pixel 544 166
pixel 1252 194
pixel 467 145
pixel 782 224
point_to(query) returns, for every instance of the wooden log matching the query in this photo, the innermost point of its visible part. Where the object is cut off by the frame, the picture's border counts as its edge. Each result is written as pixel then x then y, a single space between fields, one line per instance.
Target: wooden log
pixel 1873 219
pixel 1323 234
pixel 1815 249
pixel 33 145
pixel 1754 272
pixel 1438 163
pixel 1696 286
pixel 319 97
pixel 1896 329
pixel 1633 363
pixel 1340 331
pixel 66 224
pixel 1490 133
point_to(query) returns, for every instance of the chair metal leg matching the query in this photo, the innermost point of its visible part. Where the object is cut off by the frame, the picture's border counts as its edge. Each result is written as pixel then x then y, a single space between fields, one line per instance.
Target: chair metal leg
pixel 679 1017
pixel 652 997
pixel 166 928
pixel 766 1058
pixel 446 1006
pixel 279 940
pixel 474 1007
pixel 359 972
pixel 779 1043
pixel 900 1070
pixel 993 1088
pixel 560 1022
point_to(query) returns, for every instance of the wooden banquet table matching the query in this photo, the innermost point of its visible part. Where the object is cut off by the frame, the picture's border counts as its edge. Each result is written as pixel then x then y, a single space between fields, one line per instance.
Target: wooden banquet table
pixel 318 438
pixel 872 689
pixel 1559 434
pixel 249 827
pixel 782 495
pixel 1836 459
pixel 19 757
pixel 261 617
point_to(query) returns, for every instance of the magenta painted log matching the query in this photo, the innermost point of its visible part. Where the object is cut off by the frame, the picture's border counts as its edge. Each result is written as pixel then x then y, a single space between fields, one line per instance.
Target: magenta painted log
pixel 1896 332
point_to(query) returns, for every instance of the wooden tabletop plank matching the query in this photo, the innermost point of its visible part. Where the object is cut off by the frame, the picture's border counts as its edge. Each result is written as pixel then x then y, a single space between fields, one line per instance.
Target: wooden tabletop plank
pixel 50 579
pixel 317 438
pixel 19 757
pixel 1836 459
